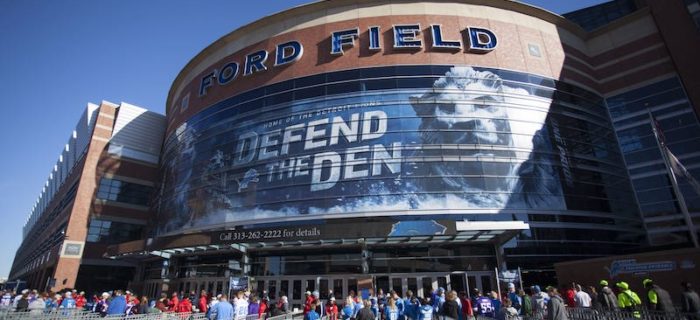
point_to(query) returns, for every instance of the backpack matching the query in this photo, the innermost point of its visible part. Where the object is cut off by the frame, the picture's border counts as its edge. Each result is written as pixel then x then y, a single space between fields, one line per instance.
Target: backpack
pixel 512 316
pixel 527 306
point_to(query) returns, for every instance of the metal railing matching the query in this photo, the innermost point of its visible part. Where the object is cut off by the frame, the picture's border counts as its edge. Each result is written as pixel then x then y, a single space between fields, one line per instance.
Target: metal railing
pixel 573 313
pixel 86 315
pixel 593 314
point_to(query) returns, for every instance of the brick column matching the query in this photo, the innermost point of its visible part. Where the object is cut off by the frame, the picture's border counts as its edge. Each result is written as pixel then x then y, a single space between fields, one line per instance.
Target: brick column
pixel 72 248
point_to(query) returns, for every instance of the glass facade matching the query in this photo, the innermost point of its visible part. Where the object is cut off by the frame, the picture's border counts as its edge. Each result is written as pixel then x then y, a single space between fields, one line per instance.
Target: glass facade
pixel 594 17
pixel 121 191
pixel 416 258
pixel 667 101
pixel 693 7
pixel 111 232
pixel 405 142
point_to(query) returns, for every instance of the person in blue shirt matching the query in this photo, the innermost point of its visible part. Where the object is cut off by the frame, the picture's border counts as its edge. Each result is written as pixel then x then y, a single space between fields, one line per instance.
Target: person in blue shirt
pixel 374 303
pixel 359 303
pixel 399 304
pixel 425 311
pixel 391 311
pixel 439 300
pixel 117 305
pixel 495 302
pixel 312 314
pixel 514 297
pixel 223 310
pixel 68 302
pixel 409 306
pixel 349 309
pixel 52 303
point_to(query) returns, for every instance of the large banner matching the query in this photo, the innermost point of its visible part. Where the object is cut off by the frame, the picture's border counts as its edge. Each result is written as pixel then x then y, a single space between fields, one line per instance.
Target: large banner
pixel 461 144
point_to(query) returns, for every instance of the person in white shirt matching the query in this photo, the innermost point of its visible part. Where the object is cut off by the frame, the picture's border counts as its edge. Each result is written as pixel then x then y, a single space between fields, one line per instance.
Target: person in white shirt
pixel 6 300
pixel 17 298
pixel 214 301
pixel 583 300
pixel 240 306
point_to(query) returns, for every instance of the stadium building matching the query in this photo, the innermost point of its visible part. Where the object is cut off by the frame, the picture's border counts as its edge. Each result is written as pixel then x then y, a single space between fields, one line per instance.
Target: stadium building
pixel 421 144
pixel 98 194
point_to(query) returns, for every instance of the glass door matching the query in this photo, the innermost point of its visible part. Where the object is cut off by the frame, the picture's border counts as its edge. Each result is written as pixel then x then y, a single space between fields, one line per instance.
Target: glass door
pixel 397 285
pixel 338 289
pixel 297 296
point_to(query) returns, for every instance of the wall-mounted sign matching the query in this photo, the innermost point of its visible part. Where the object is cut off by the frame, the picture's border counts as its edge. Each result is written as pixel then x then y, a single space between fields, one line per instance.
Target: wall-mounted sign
pixel 72 249
pixel 337 231
pixel 405 37
pixel 631 266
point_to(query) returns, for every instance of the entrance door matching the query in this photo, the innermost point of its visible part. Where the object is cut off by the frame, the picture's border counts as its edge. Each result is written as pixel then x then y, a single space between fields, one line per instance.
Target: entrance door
pixel 484 281
pixel 421 284
pixel 299 286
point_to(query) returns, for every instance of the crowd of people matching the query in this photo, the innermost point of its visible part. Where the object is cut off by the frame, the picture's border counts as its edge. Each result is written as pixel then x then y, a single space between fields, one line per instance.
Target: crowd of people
pixel 527 303
pixel 117 302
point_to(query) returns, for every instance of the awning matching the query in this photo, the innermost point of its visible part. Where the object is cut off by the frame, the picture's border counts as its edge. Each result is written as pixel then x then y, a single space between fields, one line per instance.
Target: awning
pixel 467 232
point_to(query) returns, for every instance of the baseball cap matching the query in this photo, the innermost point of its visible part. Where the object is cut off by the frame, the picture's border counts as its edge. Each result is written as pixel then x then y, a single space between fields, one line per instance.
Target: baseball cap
pixel 603 282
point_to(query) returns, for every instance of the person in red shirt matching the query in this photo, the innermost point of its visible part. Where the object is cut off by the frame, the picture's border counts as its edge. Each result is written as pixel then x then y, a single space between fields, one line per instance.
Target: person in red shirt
pixel 80 300
pixel 203 301
pixel 332 309
pixel 263 308
pixel 185 305
pixel 174 303
pixel 308 301
pixel 163 302
pixel 467 311
pixel 570 296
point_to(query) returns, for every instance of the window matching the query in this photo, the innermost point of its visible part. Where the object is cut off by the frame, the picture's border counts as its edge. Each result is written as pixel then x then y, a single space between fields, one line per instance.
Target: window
pixel 185 103
pixel 693 7
pixel 117 190
pixel 110 232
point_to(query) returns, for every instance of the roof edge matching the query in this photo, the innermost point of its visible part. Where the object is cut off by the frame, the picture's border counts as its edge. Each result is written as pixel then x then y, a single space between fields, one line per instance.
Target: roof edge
pixel 511 5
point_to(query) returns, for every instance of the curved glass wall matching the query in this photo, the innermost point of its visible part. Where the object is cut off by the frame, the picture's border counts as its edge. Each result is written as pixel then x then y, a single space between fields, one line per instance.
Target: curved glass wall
pixel 402 141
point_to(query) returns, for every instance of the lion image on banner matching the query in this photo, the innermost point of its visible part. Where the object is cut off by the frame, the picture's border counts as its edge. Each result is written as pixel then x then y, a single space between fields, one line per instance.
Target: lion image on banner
pixel 477 111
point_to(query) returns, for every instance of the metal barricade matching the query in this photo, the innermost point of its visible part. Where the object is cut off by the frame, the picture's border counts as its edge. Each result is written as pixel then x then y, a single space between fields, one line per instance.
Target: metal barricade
pixel 593 314
pixel 49 315
pixel 573 313
pixel 286 316
pixel 643 314
pixel 86 315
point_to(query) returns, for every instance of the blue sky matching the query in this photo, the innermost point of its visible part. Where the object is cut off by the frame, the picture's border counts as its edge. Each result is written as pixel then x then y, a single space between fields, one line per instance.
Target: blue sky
pixel 56 56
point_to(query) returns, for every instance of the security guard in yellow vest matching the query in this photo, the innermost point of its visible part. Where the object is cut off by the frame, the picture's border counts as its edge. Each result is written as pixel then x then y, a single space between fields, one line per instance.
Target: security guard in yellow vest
pixel 658 298
pixel 627 300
